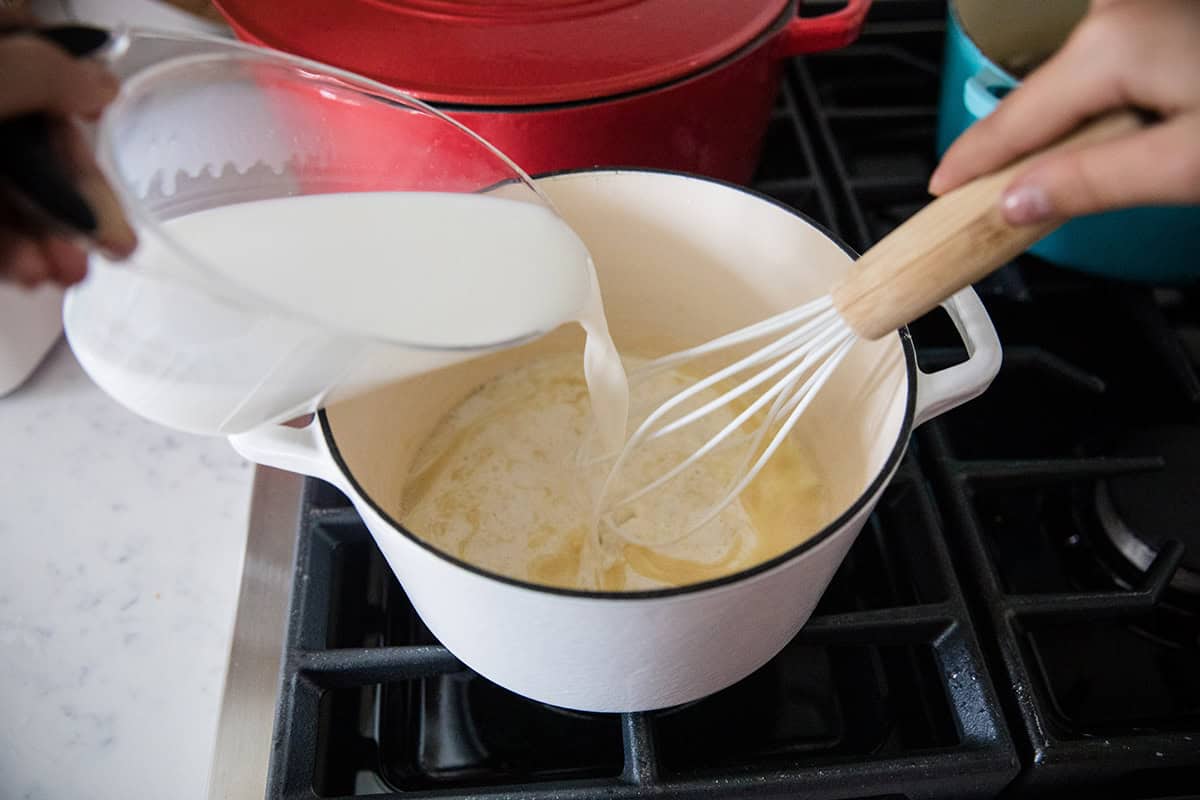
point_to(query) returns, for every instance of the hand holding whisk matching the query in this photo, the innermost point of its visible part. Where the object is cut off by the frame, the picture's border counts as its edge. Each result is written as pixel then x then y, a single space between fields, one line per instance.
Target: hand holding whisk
pixel 952 242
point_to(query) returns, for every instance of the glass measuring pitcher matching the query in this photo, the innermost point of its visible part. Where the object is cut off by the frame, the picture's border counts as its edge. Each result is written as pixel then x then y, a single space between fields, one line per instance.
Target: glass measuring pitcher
pixel 181 337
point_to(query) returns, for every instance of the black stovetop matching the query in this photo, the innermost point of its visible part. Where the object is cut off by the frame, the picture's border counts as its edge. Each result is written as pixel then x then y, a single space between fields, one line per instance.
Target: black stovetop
pixel 1019 618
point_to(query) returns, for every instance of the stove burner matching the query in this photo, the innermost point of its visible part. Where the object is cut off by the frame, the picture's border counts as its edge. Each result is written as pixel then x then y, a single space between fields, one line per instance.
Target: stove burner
pixel 1140 512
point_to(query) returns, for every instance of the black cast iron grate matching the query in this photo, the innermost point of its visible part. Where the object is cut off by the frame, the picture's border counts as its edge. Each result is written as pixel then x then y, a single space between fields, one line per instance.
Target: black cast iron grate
pixel 884 694
pixel 1100 657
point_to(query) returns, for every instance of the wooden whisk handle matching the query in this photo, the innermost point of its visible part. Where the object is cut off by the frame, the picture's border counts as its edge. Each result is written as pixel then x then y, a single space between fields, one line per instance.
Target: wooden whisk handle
pixel 954 241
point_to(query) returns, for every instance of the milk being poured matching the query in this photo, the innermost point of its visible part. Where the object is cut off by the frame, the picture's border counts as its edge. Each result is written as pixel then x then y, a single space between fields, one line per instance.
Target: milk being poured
pixel 429 269
pixel 436 274
pixel 423 268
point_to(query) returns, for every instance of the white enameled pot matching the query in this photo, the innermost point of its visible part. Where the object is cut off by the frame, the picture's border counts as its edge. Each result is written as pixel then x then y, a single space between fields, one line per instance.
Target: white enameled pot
pixel 680 260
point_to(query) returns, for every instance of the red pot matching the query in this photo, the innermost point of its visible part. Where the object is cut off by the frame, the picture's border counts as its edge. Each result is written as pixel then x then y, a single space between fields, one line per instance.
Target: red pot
pixel 686 85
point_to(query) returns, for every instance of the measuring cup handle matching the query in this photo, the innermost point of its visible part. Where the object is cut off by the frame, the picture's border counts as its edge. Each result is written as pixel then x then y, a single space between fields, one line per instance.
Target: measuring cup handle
pixel 938 392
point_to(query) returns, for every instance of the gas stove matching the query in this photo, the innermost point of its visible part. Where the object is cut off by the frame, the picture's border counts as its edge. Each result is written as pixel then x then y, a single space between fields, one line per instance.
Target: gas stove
pixel 1020 617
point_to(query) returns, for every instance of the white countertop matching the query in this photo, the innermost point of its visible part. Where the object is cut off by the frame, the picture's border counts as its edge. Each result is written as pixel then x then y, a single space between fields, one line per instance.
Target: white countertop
pixel 121 545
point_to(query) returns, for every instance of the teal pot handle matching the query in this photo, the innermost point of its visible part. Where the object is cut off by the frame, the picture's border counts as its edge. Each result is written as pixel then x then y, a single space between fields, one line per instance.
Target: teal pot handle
pixel 983 90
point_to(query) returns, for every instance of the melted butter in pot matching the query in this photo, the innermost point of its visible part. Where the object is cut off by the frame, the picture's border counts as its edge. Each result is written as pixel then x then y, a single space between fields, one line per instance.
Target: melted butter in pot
pixel 502 485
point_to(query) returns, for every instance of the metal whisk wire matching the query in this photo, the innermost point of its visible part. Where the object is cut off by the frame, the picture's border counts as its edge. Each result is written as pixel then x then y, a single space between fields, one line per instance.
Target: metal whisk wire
pixel 805 356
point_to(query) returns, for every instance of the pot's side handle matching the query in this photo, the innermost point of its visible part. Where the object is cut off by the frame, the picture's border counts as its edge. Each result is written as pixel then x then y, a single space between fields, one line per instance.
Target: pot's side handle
pixel 826 32
pixel 299 450
pixel 938 392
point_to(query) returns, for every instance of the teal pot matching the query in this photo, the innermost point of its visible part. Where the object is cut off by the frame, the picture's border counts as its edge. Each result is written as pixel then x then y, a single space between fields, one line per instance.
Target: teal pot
pixel 989 46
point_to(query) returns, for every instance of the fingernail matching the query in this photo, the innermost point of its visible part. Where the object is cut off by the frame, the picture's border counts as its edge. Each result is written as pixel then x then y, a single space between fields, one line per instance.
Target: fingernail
pixel 1026 205
pixel 936 181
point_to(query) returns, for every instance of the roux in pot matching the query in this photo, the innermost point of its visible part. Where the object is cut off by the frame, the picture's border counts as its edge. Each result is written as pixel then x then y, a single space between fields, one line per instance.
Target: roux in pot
pixel 506 482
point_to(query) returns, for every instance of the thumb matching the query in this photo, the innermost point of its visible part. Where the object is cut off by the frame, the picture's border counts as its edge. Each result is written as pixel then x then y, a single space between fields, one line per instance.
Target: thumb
pixel 1155 166
pixel 36 75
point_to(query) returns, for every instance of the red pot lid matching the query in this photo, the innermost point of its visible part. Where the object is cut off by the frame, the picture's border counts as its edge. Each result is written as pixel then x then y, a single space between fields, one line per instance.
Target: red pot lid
pixel 508 52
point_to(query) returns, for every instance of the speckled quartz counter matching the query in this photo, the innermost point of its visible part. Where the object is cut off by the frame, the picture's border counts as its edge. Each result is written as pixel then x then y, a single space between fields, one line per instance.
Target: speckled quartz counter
pixel 121 545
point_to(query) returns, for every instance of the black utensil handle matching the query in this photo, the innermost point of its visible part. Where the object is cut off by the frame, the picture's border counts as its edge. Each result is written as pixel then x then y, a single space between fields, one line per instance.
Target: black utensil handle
pixel 78 40
pixel 30 164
